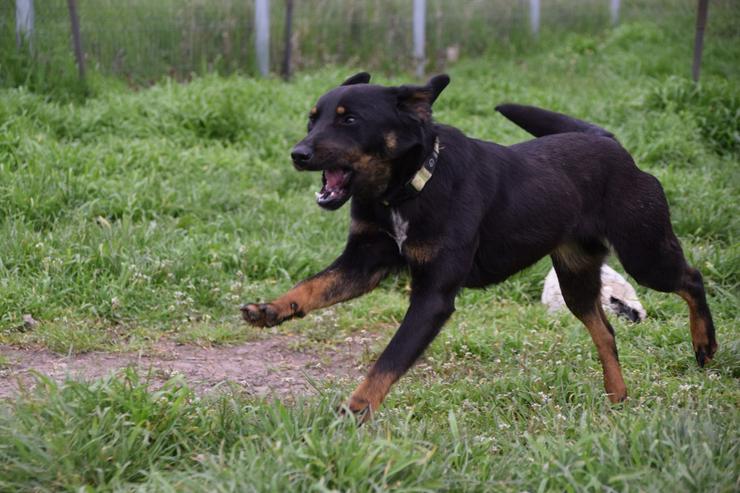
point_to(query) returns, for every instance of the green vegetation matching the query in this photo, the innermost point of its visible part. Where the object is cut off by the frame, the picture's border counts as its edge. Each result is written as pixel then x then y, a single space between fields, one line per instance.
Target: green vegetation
pixel 140 215
pixel 142 42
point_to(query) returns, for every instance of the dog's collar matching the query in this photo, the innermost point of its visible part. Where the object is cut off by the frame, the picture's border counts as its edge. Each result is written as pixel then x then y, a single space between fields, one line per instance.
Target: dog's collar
pixel 416 184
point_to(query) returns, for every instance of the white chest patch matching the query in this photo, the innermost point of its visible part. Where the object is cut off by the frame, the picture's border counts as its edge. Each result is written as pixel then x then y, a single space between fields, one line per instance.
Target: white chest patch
pixel 400 229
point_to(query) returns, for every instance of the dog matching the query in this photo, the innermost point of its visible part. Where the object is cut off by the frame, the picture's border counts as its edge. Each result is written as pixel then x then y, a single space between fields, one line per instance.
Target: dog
pixel 459 212
pixel 617 295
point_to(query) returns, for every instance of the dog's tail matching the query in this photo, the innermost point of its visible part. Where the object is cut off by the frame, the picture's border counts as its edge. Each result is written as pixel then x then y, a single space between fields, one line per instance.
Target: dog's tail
pixel 541 122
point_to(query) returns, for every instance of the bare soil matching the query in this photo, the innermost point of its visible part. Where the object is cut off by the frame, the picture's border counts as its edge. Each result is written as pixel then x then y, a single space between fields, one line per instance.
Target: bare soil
pixel 267 367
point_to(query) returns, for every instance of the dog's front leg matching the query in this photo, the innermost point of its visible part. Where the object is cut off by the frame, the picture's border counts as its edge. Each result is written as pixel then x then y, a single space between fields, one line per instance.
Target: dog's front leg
pixel 334 284
pixel 432 303
pixel 363 264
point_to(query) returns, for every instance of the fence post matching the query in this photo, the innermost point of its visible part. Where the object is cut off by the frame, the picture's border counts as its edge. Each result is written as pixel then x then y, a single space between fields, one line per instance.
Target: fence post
pixel 534 17
pixel 614 10
pixel 420 7
pixel 262 37
pixel 701 22
pixel 76 40
pixel 288 34
pixel 24 20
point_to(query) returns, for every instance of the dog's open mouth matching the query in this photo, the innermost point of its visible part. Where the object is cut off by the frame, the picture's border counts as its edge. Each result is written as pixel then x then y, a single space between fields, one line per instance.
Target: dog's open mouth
pixel 336 188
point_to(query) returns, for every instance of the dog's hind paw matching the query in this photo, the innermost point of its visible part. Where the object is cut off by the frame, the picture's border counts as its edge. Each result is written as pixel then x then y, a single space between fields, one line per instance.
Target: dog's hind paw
pixel 261 315
pixel 704 353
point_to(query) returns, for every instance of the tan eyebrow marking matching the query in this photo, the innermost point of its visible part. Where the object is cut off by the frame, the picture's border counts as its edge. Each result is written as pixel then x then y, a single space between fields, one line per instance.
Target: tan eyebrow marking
pixel 314 110
pixel 390 140
pixel 340 110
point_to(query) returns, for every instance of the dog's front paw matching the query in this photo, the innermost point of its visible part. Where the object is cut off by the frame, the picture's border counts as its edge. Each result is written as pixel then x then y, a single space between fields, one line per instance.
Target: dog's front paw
pixel 359 407
pixel 261 314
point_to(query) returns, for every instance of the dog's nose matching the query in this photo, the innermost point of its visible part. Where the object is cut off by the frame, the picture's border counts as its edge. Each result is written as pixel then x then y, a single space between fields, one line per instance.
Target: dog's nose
pixel 301 155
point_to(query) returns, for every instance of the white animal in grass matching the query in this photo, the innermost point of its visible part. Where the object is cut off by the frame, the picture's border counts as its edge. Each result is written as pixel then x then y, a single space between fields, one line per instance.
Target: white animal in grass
pixel 617 295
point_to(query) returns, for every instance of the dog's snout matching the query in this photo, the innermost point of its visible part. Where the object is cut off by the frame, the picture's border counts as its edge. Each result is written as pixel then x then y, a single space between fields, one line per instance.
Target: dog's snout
pixel 301 155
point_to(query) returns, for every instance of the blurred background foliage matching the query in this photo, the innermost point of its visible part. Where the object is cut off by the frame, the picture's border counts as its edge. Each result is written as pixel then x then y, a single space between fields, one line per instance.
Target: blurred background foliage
pixel 141 42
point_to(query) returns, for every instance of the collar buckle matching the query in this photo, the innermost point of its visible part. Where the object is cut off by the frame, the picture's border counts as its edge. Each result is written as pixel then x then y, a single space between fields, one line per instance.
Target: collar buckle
pixel 417 183
pixel 422 176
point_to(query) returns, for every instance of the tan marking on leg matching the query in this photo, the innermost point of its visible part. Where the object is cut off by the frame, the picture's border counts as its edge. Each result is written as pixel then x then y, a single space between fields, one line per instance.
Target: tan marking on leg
pixel 368 396
pixel 573 257
pixel 341 110
pixel 323 290
pixel 421 253
pixel 607 349
pixel 307 295
pixel 314 110
pixel 391 141
pixel 697 324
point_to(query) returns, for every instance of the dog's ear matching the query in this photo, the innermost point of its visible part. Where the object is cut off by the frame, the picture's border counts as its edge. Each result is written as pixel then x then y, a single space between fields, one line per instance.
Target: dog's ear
pixel 438 84
pixel 361 78
pixel 418 100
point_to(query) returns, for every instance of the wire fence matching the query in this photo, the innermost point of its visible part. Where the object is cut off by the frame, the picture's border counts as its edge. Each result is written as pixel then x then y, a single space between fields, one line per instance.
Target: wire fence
pixel 142 41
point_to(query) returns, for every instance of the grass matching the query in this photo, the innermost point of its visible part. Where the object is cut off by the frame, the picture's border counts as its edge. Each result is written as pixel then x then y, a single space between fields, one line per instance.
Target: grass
pixel 140 215
pixel 144 41
pixel 117 433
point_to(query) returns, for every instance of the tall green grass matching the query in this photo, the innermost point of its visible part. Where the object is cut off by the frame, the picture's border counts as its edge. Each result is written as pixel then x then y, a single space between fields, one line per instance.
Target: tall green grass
pixel 118 435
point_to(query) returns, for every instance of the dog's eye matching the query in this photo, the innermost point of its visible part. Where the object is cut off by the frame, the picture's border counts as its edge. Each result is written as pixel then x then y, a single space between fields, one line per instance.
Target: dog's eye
pixel 349 120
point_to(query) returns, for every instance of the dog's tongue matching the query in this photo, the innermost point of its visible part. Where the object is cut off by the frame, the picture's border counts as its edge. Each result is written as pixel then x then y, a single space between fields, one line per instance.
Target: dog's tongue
pixel 335 189
pixel 334 178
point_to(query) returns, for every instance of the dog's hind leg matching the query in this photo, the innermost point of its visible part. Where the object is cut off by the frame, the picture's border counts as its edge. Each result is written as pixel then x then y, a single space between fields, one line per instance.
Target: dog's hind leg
pixel 663 267
pixel 639 228
pixel 700 318
pixel 579 276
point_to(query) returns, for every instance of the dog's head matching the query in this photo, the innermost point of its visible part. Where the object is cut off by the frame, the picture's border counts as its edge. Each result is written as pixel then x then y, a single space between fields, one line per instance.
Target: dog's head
pixel 364 138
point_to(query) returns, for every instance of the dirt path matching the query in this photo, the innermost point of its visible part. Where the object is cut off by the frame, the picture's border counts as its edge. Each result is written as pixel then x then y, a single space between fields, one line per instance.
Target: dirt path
pixel 262 367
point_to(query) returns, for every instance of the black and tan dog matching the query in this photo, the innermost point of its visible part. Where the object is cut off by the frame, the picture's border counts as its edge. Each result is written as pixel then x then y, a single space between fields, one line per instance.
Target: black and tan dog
pixel 459 212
